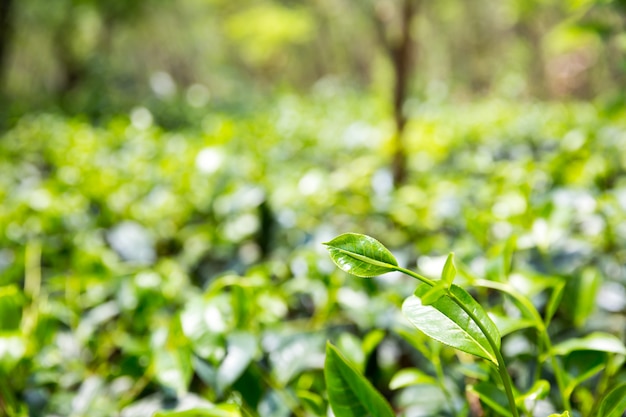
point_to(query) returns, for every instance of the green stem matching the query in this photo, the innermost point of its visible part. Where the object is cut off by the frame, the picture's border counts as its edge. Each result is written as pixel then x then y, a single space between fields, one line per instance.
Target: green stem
pixel 436 360
pixel 556 367
pixel 504 375
pixel 9 404
pixel 415 275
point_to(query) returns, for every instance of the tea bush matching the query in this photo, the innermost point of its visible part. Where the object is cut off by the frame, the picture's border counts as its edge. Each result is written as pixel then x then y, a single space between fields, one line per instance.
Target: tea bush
pixel 145 270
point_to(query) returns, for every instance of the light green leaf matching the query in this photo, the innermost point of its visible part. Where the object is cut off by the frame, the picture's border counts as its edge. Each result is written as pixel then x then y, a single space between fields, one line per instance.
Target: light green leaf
pixel 565 414
pixel 172 357
pixel 579 296
pixel 434 293
pixel 522 302
pixel 349 393
pixel 361 255
pixel 598 341
pixel 312 401
pixel 410 376
pixel 448 323
pixel 371 341
pixel 538 391
pixel 219 411
pixel 12 350
pixel 449 271
pixel 242 348
pixel 507 325
pixel 553 303
pixel 614 404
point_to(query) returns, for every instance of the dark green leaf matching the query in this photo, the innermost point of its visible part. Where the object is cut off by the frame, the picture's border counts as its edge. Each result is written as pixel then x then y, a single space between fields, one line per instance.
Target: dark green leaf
pixel 349 393
pixel 614 404
pixel 241 350
pixel 581 365
pixel 361 255
pixel 493 397
pixel 448 323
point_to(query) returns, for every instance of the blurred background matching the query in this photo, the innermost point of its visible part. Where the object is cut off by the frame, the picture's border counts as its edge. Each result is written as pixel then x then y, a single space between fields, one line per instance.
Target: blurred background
pixel 169 170
pixel 96 57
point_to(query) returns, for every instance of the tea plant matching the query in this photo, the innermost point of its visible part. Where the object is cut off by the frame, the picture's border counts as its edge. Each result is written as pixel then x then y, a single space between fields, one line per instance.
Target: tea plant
pixel 449 314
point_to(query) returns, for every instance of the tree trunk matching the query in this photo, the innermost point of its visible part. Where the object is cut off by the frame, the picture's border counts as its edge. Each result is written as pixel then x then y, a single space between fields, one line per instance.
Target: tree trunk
pixel 6 30
pixel 400 50
pixel 402 59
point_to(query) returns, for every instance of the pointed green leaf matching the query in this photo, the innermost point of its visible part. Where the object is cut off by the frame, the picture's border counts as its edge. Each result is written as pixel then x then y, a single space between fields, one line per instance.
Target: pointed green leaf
pixel 565 414
pixel 449 271
pixel 614 404
pixel 448 323
pixel 598 341
pixel 361 255
pixel 349 393
pixel 553 303
pixel 433 294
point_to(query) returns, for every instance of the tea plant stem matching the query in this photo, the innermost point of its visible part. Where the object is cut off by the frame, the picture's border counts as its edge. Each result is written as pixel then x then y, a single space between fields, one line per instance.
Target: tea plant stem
pixel 556 367
pixel 9 402
pixel 504 375
pixel 415 275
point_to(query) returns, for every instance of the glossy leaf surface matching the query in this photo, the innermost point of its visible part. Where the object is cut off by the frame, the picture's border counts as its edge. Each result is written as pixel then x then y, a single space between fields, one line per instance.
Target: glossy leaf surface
pixel 614 404
pixel 361 255
pixel 598 341
pixel 434 294
pixel 448 323
pixel 350 394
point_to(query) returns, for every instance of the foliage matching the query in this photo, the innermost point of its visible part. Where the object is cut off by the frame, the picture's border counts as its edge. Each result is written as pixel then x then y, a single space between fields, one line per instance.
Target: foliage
pixel 145 270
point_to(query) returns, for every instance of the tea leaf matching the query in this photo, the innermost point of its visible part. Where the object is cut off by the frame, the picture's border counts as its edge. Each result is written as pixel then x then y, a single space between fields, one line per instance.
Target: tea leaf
pixel 614 404
pixel 598 341
pixel 493 397
pixel 449 271
pixel 410 376
pixel 361 255
pixel 448 323
pixel 433 294
pixel 349 393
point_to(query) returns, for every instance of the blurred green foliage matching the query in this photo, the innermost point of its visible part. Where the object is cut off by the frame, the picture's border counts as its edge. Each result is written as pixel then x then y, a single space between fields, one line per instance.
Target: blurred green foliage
pixel 144 269
pixel 99 57
pixel 169 170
